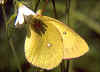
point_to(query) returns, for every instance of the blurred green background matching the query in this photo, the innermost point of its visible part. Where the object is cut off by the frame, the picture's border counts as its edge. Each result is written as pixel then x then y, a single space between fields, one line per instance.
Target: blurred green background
pixel 84 19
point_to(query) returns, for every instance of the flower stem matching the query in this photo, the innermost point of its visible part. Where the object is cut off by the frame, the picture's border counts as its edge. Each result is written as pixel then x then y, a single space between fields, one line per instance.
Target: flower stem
pixel 63 69
pixel 67 17
pixel 10 40
pixel 67 11
pixel 54 8
pixel 68 66
pixel 14 53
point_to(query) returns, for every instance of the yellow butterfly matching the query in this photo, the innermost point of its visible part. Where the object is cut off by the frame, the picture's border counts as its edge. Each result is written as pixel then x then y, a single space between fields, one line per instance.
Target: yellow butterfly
pixel 49 41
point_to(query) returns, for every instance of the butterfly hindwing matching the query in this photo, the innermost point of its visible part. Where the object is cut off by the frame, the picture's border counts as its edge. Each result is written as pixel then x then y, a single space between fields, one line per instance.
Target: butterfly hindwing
pixel 74 45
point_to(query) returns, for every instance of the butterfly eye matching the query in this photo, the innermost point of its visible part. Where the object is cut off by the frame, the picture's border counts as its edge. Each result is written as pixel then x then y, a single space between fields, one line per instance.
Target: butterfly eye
pixel 64 33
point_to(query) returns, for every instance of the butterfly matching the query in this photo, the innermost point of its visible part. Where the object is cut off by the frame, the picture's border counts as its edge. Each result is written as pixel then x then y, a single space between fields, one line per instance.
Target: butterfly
pixel 49 41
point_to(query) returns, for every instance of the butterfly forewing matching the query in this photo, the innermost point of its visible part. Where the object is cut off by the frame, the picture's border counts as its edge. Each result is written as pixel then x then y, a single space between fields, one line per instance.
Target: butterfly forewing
pixel 45 50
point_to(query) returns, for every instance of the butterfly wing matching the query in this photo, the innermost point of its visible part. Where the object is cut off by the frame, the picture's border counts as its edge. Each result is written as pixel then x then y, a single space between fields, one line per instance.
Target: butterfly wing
pixel 46 50
pixel 74 45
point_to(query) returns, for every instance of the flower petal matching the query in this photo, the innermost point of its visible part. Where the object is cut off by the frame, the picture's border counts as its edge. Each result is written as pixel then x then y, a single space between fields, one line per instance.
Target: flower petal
pixel 26 11
pixel 20 17
pixel 23 11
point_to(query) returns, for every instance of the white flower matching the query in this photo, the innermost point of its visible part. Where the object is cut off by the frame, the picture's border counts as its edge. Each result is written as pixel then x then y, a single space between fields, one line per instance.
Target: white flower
pixel 23 11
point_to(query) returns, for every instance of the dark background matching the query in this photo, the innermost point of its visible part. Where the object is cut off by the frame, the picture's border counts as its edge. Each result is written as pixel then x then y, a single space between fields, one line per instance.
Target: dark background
pixel 84 19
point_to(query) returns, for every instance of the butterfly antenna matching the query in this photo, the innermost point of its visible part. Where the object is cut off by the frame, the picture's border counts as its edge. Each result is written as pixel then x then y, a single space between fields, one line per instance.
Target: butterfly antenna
pixel 45 5
pixel 37 5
